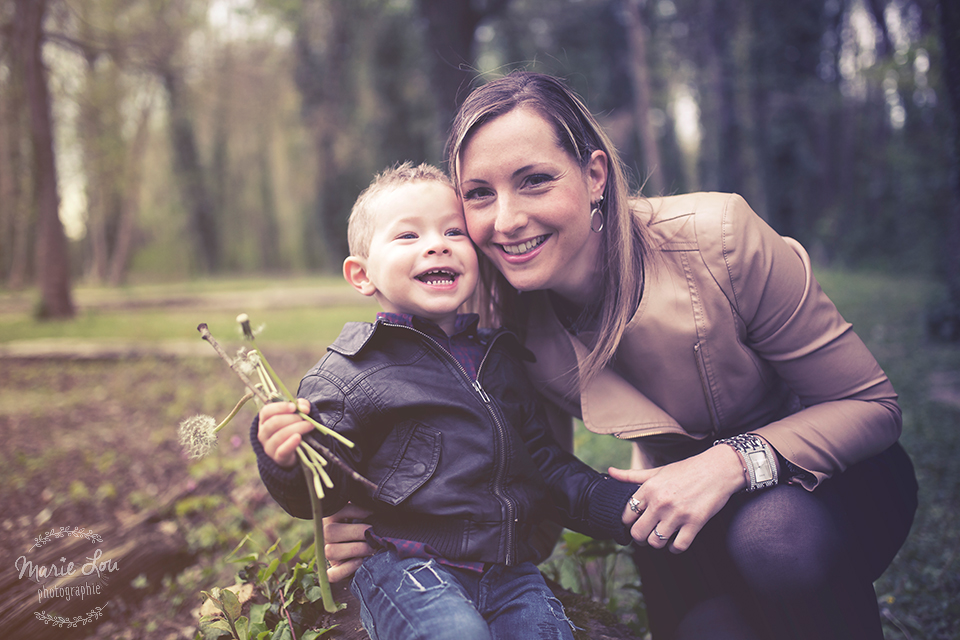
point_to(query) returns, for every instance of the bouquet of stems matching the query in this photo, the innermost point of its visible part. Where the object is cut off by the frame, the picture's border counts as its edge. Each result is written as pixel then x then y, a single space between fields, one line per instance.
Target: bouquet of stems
pixel 198 436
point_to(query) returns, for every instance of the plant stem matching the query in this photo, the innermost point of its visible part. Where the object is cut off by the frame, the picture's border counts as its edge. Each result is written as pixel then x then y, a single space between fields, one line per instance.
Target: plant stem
pixel 329 455
pixel 233 413
pixel 262 397
pixel 257 391
pixel 321 559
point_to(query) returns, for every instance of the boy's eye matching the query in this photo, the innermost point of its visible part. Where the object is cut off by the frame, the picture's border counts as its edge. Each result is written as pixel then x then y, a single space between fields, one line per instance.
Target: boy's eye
pixel 455 232
pixel 409 235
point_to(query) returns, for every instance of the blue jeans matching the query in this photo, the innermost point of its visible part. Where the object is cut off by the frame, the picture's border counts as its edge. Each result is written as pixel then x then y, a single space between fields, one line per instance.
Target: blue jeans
pixel 413 598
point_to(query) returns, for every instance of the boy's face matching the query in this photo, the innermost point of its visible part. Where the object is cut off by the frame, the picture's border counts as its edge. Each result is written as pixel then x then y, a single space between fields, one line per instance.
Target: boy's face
pixel 421 260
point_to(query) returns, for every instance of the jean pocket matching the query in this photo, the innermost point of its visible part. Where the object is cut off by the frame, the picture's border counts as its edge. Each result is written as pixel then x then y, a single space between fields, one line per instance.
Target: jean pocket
pixel 416 459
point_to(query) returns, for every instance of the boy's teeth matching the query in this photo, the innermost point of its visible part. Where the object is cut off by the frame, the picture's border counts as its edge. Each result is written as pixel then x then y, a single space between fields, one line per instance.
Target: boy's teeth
pixel 517 249
pixel 437 277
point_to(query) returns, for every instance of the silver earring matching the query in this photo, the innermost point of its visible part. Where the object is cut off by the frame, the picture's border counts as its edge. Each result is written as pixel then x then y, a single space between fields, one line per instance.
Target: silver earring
pixel 597 212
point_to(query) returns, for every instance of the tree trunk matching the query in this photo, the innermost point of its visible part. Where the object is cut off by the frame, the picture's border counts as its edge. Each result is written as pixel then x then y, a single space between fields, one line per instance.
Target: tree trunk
pixel 127 225
pixel 98 176
pixel 950 35
pixel 15 214
pixel 450 26
pixel 640 81
pixel 190 174
pixel 53 264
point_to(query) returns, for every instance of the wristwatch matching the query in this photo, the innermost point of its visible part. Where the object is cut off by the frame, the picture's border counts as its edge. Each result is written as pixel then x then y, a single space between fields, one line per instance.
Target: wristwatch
pixel 758 458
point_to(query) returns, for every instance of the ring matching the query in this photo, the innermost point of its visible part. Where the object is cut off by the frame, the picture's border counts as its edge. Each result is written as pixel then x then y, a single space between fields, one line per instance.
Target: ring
pixel 634 505
pixel 657 533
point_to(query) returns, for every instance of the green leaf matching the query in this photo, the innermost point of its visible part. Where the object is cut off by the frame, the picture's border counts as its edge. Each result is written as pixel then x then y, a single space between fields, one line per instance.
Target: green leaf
pixel 251 557
pixel 258 612
pixel 270 570
pixel 246 538
pixel 282 632
pixel 215 629
pixel 308 554
pixel 314 593
pixel 289 555
pixel 243 628
pixel 231 604
pixel 274 547
pixel 573 541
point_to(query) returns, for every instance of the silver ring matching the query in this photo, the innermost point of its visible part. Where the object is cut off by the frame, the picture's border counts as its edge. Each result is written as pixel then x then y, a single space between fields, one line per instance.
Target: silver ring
pixel 634 505
pixel 657 533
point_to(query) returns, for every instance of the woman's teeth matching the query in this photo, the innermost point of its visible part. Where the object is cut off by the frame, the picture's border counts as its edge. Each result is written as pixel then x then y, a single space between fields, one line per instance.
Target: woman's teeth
pixel 523 247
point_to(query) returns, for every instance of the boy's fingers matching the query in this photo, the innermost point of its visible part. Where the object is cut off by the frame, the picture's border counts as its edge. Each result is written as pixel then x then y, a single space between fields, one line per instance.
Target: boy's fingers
pixel 303 405
pixel 286 454
pixel 338 572
pixel 275 408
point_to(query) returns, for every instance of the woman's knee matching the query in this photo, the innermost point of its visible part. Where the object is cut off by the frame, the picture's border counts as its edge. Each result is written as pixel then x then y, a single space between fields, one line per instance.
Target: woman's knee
pixel 785 540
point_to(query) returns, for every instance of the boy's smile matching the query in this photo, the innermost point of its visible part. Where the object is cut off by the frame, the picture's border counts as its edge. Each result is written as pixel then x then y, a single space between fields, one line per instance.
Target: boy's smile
pixel 421 260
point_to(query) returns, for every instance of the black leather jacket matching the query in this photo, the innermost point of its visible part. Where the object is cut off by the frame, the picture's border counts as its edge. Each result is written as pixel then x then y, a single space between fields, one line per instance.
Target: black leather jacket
pixel 469 468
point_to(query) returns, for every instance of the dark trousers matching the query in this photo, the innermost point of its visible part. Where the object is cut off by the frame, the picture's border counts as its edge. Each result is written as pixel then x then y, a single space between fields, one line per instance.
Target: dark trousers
pixel 786 562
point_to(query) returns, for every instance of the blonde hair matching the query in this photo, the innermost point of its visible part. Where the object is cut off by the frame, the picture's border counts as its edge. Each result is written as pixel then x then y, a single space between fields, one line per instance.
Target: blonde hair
pixel 360 226
pixel 622 268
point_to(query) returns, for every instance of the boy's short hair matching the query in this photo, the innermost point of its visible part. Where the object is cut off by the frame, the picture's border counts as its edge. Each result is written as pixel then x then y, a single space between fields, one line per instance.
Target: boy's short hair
pixel 360 226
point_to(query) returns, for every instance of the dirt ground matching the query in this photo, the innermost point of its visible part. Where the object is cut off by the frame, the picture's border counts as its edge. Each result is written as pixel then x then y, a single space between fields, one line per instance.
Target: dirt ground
pixel 91 443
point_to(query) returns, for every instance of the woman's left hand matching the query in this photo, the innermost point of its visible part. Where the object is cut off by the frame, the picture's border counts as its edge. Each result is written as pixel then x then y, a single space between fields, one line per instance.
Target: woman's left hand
pixel 675 501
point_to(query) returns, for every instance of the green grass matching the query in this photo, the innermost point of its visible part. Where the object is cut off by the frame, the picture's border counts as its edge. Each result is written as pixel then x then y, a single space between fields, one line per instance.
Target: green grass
pixel 285 326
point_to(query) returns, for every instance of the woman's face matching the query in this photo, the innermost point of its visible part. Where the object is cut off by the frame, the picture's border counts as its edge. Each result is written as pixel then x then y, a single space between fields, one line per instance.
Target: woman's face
pixel 527 204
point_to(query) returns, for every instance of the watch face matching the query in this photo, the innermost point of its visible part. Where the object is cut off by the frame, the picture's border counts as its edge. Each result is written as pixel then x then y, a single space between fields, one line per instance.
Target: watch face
pixel 761 466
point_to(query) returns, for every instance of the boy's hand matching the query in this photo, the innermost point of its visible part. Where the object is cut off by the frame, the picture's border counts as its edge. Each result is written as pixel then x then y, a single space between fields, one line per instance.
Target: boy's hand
pixel 281 430
pixel 346 547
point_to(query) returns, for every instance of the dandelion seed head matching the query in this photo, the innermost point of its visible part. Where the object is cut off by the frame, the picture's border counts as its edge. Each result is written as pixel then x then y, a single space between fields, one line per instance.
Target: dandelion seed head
pixel 198 435
pixel 244 321
pixel 246 362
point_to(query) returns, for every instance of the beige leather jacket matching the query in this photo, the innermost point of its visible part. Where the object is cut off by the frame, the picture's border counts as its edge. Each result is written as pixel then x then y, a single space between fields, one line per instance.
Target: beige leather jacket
pixel 733 335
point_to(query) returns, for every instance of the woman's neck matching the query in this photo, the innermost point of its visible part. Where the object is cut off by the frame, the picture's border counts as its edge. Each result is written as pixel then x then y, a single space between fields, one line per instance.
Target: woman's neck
pixel 576 317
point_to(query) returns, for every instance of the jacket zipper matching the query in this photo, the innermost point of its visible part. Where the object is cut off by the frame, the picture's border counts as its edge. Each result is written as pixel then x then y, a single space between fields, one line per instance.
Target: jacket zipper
pixel 708 396
pixel 494 412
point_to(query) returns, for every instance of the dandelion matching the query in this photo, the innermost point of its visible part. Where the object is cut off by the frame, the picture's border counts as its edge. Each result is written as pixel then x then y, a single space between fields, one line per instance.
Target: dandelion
pixel 198 435
pixel 258 376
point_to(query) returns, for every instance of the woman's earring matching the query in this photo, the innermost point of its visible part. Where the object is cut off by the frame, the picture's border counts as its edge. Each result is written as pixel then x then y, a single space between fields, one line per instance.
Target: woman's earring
pixel 596 212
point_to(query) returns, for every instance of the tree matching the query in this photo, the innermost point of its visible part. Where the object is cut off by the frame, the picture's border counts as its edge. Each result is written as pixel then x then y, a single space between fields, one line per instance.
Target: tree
pixel 15 211
pixel 950 36
pixel 52 260
pixel 450 29
pixel 640 81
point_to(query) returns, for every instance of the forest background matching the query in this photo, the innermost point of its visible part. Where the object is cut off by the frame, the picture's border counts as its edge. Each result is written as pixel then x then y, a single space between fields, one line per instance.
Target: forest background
pixel 209 150
pixel 145 140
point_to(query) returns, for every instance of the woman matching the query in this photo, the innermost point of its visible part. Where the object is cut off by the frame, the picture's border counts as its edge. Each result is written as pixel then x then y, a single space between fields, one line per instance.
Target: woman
pixel 773 488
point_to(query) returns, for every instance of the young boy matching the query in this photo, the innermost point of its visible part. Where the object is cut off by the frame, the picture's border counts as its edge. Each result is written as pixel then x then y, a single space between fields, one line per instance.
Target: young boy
pixel 446 425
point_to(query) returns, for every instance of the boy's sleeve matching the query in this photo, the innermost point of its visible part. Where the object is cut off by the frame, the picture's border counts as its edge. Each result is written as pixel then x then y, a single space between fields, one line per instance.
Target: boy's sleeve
pixel 289 486
pixel 588 501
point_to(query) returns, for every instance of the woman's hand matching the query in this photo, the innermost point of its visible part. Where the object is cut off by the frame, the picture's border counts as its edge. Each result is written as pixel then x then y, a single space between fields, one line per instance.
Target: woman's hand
pixel 677 500
pixel 345 545
pixel 281 430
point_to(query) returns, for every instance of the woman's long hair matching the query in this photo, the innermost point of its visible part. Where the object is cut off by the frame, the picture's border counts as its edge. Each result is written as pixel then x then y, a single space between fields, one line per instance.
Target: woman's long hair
pixel 624 239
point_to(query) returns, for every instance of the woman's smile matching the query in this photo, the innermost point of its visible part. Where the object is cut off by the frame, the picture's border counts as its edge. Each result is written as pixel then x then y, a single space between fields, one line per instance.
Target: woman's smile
pixel 525 247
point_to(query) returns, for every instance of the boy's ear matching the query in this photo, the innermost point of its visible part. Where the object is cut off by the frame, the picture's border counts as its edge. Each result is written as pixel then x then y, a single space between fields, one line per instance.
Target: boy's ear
pixel 355 272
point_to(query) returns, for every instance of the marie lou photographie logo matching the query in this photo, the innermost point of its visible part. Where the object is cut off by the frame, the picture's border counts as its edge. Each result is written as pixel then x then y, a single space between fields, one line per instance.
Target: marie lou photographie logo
pixel 68 579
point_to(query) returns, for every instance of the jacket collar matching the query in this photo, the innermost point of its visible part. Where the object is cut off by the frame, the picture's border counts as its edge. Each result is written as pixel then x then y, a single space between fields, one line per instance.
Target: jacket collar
pixel 355 336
